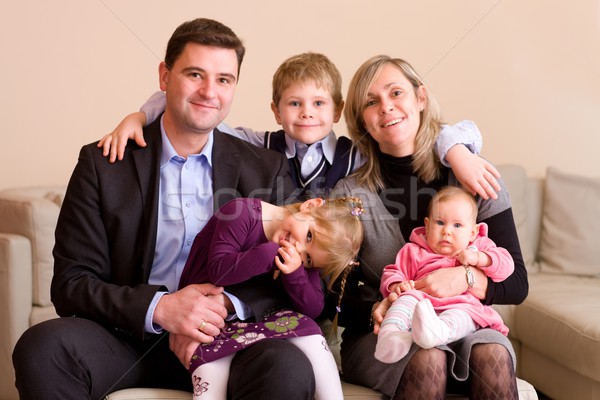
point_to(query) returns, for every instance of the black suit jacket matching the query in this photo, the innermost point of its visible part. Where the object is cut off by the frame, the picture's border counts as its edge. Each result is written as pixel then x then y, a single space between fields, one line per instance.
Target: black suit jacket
pixel 106 231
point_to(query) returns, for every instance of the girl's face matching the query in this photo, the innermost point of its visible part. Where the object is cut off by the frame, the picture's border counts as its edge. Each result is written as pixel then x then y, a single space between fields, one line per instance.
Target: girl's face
pixel 450 227
pixel 300 230
pixel 392 113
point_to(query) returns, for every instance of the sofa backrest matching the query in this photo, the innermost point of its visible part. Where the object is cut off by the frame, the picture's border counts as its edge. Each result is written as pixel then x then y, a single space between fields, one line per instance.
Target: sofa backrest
pixel 526 199
pixel 33 213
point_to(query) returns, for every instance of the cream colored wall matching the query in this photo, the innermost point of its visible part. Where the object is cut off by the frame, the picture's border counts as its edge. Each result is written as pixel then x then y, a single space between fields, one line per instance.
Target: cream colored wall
pixel 528 72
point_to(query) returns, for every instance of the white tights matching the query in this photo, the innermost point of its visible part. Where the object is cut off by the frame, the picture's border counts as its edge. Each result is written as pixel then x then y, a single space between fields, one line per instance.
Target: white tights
pixel 210 380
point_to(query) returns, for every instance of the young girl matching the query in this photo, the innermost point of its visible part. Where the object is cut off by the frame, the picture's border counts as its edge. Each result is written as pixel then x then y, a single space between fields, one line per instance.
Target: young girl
pixel 294 247
pixel 449 238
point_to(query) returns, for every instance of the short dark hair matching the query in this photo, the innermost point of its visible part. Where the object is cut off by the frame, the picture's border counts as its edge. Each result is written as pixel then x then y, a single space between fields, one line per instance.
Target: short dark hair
pixel 206 32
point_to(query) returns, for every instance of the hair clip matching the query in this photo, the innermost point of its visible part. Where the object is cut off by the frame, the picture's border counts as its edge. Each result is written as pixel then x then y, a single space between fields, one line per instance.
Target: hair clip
pixel 357 211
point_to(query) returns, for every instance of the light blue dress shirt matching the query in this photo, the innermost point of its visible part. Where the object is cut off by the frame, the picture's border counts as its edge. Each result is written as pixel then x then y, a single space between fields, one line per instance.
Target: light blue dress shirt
pixel 185 206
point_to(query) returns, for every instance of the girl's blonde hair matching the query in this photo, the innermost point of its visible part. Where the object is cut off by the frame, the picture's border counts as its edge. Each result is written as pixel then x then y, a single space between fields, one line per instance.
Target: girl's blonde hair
pixel 425 162
pixel 339 232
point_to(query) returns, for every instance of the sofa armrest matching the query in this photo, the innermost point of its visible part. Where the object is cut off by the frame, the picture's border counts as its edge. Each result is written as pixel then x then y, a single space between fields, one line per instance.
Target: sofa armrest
pixel 16 294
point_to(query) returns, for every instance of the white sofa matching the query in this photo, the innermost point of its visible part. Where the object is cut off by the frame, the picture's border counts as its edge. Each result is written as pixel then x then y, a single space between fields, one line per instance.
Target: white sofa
pixel 556 331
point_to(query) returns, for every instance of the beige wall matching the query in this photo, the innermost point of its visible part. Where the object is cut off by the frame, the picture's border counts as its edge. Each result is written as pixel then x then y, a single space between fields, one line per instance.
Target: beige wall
pixel 528 72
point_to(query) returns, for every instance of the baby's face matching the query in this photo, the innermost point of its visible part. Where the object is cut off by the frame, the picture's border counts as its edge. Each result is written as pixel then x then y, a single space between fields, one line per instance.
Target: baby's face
pixel 451 226
pixel 306 112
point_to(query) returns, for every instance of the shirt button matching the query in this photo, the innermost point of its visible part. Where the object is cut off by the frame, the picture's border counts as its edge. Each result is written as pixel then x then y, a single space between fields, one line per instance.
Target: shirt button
pixel 189 242
pixel 188 204
pixel 310 158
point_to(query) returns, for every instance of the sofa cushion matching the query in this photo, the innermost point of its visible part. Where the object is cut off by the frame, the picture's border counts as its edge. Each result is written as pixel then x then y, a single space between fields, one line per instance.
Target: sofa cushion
pixel 561 319
pixel 570 228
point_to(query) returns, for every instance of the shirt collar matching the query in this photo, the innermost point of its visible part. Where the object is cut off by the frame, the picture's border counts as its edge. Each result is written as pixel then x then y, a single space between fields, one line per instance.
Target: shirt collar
pixel 168 151
pixel 328 144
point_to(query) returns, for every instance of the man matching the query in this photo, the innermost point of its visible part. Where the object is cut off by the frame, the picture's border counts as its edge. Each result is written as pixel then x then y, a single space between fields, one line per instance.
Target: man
pixel 123 236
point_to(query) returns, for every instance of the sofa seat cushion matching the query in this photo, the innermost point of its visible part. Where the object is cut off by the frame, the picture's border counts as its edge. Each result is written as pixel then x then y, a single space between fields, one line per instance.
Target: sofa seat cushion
pixel 561 319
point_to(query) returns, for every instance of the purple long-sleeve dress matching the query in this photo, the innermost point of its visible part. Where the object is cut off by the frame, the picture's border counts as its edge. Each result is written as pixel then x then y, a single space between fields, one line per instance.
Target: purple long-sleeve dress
pixel 233 248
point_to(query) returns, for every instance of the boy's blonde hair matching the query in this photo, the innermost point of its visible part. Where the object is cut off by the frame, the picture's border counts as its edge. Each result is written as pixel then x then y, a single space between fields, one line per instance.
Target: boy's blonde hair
pixel 451 192
pixel 339 232
pixel 425 162
pixel 308 67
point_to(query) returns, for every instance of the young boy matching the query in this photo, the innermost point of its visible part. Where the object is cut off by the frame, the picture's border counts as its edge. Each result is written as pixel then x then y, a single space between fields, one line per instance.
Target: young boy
pixel 307 101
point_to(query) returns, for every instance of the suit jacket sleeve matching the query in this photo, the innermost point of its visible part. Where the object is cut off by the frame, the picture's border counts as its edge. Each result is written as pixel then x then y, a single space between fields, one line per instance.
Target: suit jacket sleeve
pixel 104 244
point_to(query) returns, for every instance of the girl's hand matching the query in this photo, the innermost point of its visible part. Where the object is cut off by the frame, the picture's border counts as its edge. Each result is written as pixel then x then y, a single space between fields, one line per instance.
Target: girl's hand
pixel 114 143
pixel 289 259
pixel 476 174
pixel 380 309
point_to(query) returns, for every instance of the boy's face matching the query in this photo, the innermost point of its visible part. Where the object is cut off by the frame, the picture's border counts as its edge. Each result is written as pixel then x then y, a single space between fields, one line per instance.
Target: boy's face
pixel 451 226
pixel 306 112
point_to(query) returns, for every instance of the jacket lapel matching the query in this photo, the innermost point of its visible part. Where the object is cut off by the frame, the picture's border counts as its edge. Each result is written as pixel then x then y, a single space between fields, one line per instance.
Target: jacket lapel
pixel 147 164
pixel 226 169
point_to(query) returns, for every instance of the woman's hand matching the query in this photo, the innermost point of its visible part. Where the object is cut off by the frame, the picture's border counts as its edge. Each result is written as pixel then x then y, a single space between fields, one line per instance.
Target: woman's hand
pixel 132 127
pixel 447 282
pixel 476 174
pixel 380 308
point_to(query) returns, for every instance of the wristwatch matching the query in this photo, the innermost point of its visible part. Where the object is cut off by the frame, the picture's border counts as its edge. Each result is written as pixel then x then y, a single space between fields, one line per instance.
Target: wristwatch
pixel 470 277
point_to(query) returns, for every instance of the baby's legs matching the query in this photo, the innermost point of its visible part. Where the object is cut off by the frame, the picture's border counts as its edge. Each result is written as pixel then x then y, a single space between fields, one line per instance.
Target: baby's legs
pixel 430 330
pixel 394 338
pixel 327 377
pixel 210 380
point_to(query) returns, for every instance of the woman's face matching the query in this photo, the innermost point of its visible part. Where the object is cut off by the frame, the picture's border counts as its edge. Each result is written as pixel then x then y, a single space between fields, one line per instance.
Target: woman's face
pixel 392 113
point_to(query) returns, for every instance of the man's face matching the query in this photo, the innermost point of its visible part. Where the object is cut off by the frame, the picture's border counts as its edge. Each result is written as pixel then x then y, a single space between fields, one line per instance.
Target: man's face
pixel 199 87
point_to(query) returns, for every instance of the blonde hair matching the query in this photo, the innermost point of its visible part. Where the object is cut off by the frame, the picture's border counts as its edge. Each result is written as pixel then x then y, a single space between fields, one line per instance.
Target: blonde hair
pixel 425 162
pixel 339 232
pixel 450 192
pixel 308 67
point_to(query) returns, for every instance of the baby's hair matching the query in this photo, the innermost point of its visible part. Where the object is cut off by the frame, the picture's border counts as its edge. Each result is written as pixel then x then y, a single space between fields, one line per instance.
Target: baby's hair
pixel 308 67
pixel 339 231
pixel 450 192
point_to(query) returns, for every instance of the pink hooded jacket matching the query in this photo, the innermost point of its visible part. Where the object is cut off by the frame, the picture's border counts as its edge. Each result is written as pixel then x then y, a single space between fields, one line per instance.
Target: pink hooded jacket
pixel 416 259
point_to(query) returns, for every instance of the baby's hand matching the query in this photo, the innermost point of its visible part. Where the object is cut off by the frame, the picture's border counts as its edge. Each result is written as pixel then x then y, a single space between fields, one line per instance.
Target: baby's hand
pixel 114 143
pixel 402 286
pixel 406 285
pixel 288 260
pixel 468 257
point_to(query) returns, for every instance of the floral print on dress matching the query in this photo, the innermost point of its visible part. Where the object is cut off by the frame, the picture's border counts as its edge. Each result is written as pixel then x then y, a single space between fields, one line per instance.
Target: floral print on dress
pixel 238 335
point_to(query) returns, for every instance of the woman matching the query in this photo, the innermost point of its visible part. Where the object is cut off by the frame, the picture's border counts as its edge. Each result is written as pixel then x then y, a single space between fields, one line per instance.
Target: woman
pixel 394 120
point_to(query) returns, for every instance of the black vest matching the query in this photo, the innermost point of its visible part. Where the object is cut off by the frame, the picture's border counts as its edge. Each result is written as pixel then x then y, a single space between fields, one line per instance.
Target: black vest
pixel 326 175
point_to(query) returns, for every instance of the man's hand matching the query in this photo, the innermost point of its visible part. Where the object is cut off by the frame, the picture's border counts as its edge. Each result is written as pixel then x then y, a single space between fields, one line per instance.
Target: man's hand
pixel 183 347
pixel 196 311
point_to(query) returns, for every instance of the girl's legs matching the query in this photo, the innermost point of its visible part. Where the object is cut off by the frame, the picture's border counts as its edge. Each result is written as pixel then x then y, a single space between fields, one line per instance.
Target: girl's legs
pixel 327 377
pixel 210 380
pixel 492 373
pixel 430 330
pixel 394 338
pixel 424 377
